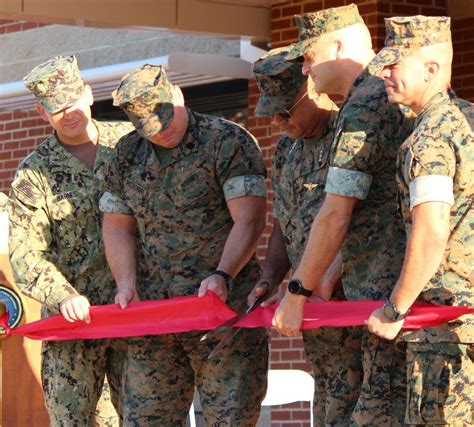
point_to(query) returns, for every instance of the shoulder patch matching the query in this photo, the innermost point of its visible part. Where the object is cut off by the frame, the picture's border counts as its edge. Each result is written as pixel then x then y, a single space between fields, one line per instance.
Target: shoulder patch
pixel 26 190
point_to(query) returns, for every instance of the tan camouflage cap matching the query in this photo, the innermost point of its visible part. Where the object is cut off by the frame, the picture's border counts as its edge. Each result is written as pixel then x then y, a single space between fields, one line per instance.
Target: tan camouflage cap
pixel 313 25
pixel 407 34
pixel 56 83
pixel 146 96
pixel 278 80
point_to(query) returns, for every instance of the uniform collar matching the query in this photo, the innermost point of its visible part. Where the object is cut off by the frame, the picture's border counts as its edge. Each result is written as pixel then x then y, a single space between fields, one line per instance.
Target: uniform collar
pixel 434 101
pixel 188 144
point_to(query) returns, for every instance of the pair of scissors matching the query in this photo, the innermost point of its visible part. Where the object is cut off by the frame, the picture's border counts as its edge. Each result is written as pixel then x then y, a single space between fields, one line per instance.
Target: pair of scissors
pixel 227 338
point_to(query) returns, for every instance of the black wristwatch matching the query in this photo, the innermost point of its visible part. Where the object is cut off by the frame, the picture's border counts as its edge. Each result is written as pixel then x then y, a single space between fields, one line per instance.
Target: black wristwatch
pixel 295 287
pixel 391 312
pixel 227 277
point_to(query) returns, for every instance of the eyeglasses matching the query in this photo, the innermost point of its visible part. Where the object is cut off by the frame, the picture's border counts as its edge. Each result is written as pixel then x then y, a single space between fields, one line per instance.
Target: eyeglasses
pixel 286 114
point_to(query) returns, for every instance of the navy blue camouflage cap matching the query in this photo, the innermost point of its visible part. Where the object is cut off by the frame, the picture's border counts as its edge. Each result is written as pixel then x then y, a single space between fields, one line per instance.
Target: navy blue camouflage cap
pixel 146 96
pixel 311 26
pixel 56 83
pixel 407 34
pixel 278 80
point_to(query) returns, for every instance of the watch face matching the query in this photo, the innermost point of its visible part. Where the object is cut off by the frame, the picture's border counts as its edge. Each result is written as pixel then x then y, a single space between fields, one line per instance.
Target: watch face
pixel 389 312
pixel 294 286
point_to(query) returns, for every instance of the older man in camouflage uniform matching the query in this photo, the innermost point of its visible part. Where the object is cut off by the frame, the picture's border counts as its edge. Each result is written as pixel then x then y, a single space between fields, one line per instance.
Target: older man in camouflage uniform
pixel 193 187
pixel 300 167
pixel 360 204
pixel 435 177
pixel 56 248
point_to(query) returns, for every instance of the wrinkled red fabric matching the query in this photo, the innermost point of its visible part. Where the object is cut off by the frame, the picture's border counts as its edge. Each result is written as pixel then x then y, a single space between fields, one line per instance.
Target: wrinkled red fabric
pixel 182 314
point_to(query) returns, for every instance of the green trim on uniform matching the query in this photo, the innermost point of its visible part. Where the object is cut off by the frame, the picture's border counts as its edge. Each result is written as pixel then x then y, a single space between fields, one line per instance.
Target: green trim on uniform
pixel 246 185
pixel 348 183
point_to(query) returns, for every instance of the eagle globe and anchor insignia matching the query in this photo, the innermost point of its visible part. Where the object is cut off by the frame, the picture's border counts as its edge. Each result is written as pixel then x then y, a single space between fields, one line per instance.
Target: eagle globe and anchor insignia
pixel 13 305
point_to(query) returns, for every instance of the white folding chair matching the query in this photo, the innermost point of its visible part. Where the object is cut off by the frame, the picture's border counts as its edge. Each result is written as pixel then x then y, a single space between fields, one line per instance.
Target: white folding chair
pixel 288 386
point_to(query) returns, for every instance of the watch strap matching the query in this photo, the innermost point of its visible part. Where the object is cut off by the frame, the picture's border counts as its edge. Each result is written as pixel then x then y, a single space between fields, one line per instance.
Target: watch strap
pixel 397 314
pixel 226 276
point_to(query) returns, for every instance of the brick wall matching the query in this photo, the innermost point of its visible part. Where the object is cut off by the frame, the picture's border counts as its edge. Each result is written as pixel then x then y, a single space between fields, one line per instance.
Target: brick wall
pixel 463 67
pixel 20 133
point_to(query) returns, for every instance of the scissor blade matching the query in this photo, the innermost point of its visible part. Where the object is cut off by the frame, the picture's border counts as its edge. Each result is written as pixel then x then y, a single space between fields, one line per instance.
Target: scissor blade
pixel 223 342
pixel 227 324
pixel 227 338
pixel 233 320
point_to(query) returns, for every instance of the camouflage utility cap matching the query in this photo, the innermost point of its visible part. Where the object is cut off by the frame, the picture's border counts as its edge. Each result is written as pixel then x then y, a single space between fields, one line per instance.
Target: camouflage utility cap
pixel 56 83
pixel 313 25
pixel 278 80
pixel 145 94
pixel 407 34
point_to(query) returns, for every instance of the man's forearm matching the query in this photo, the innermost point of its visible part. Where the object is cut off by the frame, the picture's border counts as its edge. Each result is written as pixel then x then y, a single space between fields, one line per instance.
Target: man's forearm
pixel 424 253
pixel 239 246
pixel 325 240
pixel 120 251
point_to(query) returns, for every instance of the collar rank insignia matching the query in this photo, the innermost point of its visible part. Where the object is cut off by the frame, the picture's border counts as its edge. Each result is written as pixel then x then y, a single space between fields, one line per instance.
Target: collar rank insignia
pixel 310 186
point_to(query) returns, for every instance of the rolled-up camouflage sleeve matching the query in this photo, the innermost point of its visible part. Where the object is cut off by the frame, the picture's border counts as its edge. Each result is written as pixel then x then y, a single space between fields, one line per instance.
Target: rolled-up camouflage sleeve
pixel 32 255
pixel 112 198
pixel 429 168
pixel 239 165
pixel 354 153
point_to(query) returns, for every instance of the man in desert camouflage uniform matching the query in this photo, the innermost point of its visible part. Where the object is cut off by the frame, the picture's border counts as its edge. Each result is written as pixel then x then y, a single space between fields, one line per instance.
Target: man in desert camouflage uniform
pixel 359 214
pixel 56 249
pixel 300 166
pixel 435 173
pixel 193 187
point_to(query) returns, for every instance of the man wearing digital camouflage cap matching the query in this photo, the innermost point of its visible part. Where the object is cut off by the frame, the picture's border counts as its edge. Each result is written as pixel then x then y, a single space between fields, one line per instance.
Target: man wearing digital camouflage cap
pixel 435 173
pixel 359 214
pixel 56 248
pixel 300 166
pixel 192 186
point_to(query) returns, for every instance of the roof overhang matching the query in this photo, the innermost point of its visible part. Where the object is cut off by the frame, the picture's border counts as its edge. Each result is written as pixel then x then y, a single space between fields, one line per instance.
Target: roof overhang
pixel 229 19
pixel 184 69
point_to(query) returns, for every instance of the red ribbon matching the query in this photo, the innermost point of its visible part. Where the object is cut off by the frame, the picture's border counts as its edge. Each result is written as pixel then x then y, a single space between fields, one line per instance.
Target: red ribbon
pixel 182 314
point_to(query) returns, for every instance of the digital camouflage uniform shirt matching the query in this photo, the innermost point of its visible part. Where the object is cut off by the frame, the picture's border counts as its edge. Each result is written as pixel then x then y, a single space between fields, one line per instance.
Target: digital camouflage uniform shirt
pixel 56 250
pixel 368 134
pixel 56 211
pixel 179 199
pixel 180 203
pixel 299 173
pixel 369 131
pixel 438 152
pixel 436 164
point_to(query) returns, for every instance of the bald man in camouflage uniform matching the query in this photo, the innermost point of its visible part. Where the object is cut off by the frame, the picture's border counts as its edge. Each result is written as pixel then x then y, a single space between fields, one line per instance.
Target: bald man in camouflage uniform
pixel 56 249
pixel 435 173
pixel 193 187
pixel 359 214
pixel 300 166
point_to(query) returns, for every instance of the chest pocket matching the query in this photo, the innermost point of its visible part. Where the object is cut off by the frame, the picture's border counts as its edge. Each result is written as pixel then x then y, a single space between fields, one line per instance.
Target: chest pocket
pixel 137 198
pixel 192 192
pixel 75 221
pixel 72 206
pixel 302 187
